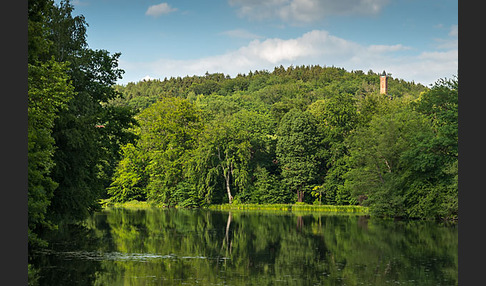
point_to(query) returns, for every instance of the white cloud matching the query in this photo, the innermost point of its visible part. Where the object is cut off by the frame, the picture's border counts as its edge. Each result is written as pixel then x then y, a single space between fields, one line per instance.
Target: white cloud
pixel 451 42
pixel 314 44
pixel 427 67
pixel 385 48
pixel 159 9
pixel 80 3
pixel 454 32
pixel 317 47
pixel 301 11
pixel 241 34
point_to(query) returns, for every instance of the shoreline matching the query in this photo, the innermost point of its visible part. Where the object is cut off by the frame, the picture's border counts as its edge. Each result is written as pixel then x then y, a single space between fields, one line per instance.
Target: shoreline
pixel 342 209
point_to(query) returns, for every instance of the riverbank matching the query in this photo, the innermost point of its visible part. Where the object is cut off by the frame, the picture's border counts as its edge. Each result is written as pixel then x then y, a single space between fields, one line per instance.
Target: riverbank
pixel 260 207
pixel 294 208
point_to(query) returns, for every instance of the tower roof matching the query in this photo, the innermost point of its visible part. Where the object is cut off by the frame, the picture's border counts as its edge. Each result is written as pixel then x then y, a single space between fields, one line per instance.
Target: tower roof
pixel 383 73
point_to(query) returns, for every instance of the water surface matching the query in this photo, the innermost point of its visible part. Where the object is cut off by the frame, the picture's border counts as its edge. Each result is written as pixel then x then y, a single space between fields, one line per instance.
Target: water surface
pixel 203 247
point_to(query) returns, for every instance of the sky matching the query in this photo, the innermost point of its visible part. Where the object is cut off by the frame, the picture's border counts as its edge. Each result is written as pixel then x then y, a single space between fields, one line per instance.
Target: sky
pixel 414 40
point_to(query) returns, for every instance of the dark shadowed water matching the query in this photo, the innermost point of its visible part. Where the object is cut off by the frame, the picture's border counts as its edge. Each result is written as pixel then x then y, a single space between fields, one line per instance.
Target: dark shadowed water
pixel 203 247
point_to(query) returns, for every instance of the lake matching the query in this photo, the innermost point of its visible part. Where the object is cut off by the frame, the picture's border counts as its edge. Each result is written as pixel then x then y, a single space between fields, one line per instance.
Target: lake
pixel 206 247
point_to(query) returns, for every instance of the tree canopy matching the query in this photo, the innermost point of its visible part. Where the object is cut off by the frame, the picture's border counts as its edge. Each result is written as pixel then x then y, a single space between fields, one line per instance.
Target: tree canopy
pixel 322 131
pixel 74 135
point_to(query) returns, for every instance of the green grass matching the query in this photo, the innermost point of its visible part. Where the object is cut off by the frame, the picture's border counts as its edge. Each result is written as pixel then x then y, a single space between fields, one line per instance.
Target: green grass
pixel 129 205
pixel 260 207
pixel 293 208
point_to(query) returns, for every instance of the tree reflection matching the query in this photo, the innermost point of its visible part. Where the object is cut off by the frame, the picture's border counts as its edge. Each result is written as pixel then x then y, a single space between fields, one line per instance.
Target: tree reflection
pixel 153 247
pixel 226 243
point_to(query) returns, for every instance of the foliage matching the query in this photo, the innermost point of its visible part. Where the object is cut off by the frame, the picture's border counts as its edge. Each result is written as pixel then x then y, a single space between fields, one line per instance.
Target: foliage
pixel 130 181
pixel 433 164
pixel 49 90
pixel 403 162
pixel 377 167
pixel 262 137
pixel 88 133
pixel 154 168
pixel 73 135
pixel 32 275
pixel 337 117
pixel 223 156
pixel 270 137
pixel 267 189
pixel 297 145
pixel 259 140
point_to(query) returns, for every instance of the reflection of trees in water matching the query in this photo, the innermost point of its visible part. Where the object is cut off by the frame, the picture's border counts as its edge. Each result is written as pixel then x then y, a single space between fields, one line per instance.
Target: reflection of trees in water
pixel 59 264
pixel 226 245
pixel 300 223
pixel 363 222
pixel 212 246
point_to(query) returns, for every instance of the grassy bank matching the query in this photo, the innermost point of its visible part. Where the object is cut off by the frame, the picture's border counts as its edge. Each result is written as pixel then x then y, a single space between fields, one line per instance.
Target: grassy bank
pixel 294 208
pixel 264 207
pixel 129 205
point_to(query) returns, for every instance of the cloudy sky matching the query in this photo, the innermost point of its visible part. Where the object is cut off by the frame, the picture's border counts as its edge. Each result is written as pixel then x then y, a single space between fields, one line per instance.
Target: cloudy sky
pixel 415 40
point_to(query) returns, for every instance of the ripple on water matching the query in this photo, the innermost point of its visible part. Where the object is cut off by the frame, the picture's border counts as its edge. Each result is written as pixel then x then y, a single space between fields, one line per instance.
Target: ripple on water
pixel 120 256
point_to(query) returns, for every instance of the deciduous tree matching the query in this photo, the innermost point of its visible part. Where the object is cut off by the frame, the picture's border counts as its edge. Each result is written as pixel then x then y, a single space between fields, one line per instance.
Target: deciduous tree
pixel 297 145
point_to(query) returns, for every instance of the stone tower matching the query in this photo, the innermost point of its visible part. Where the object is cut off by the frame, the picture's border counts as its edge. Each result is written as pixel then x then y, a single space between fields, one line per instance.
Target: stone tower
pixel 383 83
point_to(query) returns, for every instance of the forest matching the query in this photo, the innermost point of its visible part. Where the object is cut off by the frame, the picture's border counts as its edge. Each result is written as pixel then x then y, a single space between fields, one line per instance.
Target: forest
pixel 306 134
pixel 299 134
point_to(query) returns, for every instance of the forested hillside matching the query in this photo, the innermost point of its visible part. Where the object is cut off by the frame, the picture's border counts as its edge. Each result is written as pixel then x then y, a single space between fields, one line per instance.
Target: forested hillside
pixel 312 134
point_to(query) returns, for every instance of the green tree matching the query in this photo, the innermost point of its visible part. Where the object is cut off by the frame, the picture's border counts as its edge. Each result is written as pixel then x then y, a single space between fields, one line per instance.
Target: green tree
pixel 268 188
pixel 340 102
pixel 223 153
pixel 130 179
pixel 433 162
pixel 38 32
pixel 440 105
pixel 297 145
pixel 88 133
pixel 372 105
pixel 257 130
pixel 336 117
pixel 168 132
pixel 229 149
pixel 378 169
pixel 49 91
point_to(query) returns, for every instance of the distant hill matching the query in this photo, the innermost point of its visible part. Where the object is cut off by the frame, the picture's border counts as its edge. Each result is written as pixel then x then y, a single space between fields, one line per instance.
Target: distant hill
pixel 308 83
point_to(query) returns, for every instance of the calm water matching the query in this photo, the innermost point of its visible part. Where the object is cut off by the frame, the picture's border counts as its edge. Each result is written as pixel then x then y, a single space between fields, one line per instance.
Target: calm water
pixel 189 247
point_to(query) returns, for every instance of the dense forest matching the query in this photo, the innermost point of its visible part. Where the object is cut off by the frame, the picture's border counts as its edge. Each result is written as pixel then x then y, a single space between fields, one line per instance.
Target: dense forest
pixel 304 134
pixel 70 159
pixel 311 134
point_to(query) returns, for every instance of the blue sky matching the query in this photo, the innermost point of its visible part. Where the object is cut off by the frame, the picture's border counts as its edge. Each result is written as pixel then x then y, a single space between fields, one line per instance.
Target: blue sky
pixel 415 40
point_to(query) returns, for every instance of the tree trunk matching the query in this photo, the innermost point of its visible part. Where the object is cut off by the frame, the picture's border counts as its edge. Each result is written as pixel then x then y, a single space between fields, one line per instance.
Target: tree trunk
pixel 228 188
pixel 227 175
